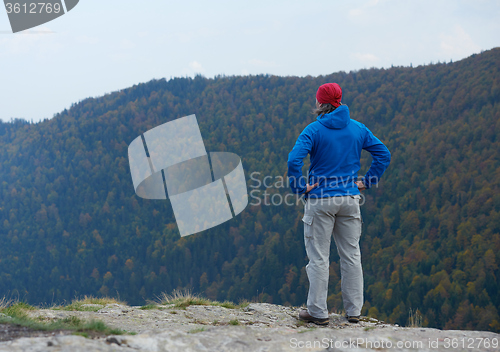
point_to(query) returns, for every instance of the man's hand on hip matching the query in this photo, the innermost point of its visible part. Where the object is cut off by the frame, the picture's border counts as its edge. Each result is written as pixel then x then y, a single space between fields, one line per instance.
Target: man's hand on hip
pixel 361 185
pixel 309 187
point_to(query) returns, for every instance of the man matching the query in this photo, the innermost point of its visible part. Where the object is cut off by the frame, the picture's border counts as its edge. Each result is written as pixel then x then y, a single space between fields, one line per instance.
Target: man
pixel 334 143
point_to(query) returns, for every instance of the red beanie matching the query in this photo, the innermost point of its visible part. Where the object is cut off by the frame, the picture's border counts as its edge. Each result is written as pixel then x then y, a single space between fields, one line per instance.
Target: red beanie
pixel 329 93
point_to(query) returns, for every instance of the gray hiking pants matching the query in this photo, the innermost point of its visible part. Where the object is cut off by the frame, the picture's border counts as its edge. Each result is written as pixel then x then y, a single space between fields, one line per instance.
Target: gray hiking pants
pixel 340 217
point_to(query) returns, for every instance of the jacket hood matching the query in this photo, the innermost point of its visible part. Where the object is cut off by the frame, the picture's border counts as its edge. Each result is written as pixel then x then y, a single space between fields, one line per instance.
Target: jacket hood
pixel 337 119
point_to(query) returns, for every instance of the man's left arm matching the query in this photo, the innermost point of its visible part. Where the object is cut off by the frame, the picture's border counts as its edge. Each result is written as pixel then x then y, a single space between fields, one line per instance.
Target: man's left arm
pixel 381 158
pixel 302 147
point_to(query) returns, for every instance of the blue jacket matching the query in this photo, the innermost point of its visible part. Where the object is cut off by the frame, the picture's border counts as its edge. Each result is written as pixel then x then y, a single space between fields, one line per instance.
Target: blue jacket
pixel 334 142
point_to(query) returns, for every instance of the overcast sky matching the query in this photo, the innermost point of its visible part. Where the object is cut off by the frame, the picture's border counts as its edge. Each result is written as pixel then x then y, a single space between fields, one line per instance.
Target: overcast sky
pixel 103 46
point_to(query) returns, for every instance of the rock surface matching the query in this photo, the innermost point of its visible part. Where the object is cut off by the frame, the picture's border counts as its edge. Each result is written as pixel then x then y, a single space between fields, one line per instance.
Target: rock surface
pixel 258 327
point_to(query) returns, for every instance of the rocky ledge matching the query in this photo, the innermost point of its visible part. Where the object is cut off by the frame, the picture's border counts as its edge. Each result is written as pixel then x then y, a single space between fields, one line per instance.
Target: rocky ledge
pixel 257 327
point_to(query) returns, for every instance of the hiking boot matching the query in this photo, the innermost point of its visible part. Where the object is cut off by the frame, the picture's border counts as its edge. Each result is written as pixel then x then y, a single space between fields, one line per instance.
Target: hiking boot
pixel 353 319
pixel 308 318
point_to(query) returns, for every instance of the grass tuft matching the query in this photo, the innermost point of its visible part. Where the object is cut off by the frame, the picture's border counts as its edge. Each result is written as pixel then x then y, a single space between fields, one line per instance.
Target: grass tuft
pixel 228 304
pixel 234 322
pixel 81 304
pixel 4 303
pixel 243 303
pixel 17 310
pixel 184 298
pixel 72 321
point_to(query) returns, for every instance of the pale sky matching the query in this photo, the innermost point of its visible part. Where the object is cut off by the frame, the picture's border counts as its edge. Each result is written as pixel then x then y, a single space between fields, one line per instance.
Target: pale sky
pixel 104 46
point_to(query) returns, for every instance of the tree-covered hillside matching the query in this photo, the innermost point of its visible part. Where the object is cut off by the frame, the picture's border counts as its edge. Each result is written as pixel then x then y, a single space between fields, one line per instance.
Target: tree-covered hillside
pixel 71 224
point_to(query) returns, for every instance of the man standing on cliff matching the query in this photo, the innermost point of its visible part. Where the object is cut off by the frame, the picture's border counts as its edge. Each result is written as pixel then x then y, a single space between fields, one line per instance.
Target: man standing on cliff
pixel 334 143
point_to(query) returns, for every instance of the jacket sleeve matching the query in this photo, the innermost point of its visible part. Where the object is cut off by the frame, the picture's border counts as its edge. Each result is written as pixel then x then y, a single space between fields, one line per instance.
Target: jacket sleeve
pixel 381 158
pixel 302 147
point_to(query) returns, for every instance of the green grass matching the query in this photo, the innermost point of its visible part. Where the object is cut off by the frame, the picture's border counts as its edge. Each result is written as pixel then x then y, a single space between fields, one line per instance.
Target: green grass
pixel 17 314
pixel 99 326
pixel 194 331
pixel 17 310
pixel 243 303
pixel 183 299
pixel 307 330
pixel 79 308
pixel 150 306
pixel 84 334
pixel 234 322
pixel 301 323
pixel 228 304
pixel 79 304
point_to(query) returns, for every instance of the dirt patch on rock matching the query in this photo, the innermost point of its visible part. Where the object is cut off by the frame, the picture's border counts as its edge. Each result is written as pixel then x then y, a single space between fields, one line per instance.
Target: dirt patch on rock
pixel 10 332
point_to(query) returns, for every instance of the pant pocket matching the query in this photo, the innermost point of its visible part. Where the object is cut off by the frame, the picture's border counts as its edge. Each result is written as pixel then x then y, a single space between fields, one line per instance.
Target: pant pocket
pixel 308 220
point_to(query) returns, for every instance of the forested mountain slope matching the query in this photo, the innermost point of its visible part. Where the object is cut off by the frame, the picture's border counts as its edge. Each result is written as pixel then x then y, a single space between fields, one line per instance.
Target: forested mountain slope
pixel 71 224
